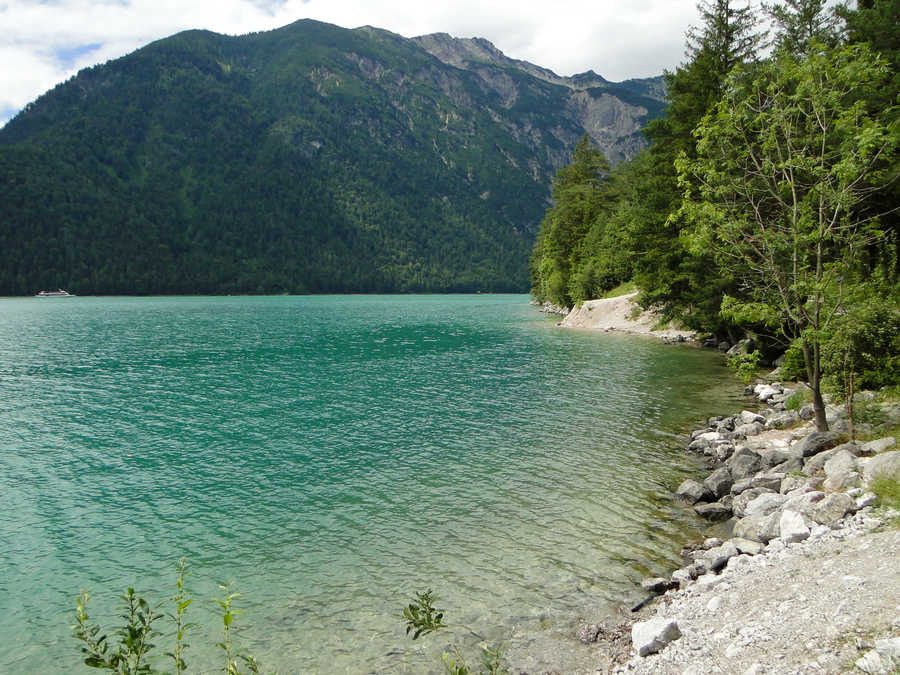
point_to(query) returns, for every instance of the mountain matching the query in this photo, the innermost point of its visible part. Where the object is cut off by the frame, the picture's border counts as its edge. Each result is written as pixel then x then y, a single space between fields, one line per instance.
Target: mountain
pixel 305 159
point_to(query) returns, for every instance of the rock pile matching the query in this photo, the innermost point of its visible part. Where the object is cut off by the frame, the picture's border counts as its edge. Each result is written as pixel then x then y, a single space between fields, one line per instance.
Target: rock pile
pixel 775 482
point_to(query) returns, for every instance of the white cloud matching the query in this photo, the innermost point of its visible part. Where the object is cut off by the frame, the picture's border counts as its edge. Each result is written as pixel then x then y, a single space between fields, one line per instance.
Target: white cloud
pixel 617 40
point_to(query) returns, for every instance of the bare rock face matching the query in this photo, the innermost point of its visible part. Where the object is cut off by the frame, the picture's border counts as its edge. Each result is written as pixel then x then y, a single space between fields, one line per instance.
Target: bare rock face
pixel 593 104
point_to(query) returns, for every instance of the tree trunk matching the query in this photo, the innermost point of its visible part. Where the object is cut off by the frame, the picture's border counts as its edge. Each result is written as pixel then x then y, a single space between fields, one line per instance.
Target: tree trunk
pixel 814 373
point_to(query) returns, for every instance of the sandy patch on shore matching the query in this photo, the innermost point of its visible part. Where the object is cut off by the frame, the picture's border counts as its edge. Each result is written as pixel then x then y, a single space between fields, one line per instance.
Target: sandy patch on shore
pixel 616 314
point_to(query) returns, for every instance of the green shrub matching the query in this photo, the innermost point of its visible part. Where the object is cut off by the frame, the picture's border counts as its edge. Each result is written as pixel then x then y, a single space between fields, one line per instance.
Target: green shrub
pixel 422 617
pixel 745 365
pixel 132 655
pixel 794 366
pixel 798 399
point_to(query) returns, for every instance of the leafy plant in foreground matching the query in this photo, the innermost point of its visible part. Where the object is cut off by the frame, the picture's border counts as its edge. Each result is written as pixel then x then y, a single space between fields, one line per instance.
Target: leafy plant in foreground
pixel 132 655
pixel 422 617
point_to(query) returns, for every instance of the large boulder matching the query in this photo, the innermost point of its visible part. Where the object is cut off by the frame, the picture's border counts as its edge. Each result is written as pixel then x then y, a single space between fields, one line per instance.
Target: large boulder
pixel 841 471
pixel 886 464
pixel 766 503
pixel 766 391
pixel 743 463
pixel 748 417
pixel 649 637
pixel 877 446
pixel 758 527
pixel 716 558
pixel 719 482
pixel 815 443
pixel 832 509
pixel 745 430
pixel 783 420
pixel 691 491
pixel 739 505
pixel 714 511
pixel 769 479
pixel 816 463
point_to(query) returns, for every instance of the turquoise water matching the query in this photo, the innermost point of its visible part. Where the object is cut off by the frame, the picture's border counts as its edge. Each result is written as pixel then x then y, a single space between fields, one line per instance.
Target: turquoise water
pixel 332 455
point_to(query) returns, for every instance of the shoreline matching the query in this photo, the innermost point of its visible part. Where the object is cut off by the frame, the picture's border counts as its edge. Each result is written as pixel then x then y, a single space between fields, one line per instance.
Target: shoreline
pixel 620 315
pixel 803 582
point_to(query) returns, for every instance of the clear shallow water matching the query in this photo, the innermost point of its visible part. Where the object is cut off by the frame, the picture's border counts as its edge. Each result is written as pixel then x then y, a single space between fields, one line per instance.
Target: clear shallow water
pixel 332 455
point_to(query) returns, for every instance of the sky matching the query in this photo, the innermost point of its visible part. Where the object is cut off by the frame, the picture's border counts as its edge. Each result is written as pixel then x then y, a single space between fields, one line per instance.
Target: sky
pixel 44 42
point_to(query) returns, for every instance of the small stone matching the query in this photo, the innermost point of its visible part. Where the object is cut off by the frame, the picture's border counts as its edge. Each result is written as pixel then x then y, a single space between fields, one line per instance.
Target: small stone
pixel 649 637
pixel 865 500
pixel 656 585
pixel 711 542
pixel 714 604
pixel 747 546
pixel 589 633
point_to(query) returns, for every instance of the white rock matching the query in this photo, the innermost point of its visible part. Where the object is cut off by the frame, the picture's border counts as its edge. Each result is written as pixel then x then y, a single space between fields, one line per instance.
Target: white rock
pixel 889 648
pixel 649 637
pixel 748 417
pixel 878 445
pixel 872 664
pixel 886 464
pixel 714 604
pixel 764 504
pixel 793 527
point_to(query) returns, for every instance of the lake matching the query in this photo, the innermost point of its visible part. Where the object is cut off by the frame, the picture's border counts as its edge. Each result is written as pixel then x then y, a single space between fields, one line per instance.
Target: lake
pixel 331 456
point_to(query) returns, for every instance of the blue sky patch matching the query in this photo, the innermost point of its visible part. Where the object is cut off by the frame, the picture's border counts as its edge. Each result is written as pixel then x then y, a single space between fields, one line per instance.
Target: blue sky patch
pixel 67 56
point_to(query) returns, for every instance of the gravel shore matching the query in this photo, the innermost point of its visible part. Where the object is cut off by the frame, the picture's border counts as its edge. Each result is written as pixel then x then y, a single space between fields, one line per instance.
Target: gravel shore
pixel 817 606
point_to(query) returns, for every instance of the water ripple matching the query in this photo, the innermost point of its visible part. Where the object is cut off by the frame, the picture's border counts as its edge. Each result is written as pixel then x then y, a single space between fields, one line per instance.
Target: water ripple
pixel 333 455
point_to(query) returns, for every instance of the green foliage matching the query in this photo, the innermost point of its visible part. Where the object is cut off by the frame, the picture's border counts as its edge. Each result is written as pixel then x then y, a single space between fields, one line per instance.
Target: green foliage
pixel 306 159
pixel 421 615
pixel 745 365
pixel 798 399
pixel 579 193
pixel 800 22
pixel 863 351
pixel 133 653
pixel 491 662
pixel 781 167
pixel 794 366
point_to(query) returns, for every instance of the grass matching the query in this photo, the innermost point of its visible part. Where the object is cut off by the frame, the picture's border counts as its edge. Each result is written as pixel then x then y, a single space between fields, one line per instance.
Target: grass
pixel 621 289
pixel 887 490
pixel 798 399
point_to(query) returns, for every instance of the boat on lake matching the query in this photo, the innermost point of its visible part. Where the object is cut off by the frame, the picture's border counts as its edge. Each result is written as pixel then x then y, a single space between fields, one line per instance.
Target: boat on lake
pixel 59 293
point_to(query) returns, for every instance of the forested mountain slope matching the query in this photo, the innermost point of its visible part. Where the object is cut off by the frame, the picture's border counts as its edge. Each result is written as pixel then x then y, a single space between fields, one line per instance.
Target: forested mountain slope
pixel 306 159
